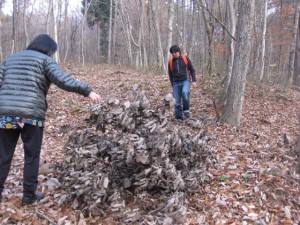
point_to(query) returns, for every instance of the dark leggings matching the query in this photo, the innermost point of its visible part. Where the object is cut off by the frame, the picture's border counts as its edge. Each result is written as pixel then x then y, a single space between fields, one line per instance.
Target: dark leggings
pixel 32 137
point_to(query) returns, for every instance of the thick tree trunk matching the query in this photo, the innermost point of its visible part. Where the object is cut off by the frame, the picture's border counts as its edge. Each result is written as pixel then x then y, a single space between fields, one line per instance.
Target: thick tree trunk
pixel 235 97
pixel 126 28
pixel 263 43
pixel 232 26
pixel 291 62
pixel 292 49
pixel 297 58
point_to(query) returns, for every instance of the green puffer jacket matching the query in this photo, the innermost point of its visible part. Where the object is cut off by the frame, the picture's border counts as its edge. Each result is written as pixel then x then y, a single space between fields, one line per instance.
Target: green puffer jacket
pixel 25 78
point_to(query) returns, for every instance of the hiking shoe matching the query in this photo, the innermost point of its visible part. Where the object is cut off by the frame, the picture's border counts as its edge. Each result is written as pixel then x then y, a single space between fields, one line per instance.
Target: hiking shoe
pixel 187 114
pixel 179 121
pixel 29 199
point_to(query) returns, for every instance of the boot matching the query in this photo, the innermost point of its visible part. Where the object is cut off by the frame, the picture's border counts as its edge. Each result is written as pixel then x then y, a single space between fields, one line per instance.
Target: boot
pixel 30 197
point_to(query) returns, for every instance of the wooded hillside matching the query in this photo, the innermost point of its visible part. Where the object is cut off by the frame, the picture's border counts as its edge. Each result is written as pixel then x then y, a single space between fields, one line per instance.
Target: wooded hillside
pixel 254 179
pixel 247 59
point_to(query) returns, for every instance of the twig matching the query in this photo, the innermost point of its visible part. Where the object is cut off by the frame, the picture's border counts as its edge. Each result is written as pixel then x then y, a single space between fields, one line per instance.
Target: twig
pixel 45 217
pixel 217 21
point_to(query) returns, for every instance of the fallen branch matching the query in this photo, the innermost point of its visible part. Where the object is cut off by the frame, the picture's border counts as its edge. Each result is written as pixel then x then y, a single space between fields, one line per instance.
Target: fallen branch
pixel 45 217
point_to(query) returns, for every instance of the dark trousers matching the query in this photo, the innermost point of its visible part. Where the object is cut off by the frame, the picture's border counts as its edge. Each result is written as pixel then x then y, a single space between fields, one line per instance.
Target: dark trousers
pixel 32 137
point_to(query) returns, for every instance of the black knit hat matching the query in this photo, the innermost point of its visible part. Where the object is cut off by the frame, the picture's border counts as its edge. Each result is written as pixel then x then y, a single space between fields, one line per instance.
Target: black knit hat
pixel 174 48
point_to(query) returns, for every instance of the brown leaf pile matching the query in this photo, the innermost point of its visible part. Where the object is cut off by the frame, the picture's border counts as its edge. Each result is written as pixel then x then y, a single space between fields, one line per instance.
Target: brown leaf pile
pixel 254 181
pixel 133 153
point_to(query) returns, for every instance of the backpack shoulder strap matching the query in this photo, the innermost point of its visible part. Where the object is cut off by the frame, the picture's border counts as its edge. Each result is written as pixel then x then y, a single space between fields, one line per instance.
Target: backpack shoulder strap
pixel 186 62
pixel 184 59
pixel 171 64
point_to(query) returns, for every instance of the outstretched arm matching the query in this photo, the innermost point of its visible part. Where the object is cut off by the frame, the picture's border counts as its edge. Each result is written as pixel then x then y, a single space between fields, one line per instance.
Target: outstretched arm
pixel 95 97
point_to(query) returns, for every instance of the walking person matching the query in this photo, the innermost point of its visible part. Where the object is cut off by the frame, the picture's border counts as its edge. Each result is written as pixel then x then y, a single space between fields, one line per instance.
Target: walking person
pixel 182 76
pixel 25 78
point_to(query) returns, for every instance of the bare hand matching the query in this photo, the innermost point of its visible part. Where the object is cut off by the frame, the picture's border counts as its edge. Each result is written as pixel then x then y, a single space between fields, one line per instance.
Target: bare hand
pixel 194 84
pixel 95 98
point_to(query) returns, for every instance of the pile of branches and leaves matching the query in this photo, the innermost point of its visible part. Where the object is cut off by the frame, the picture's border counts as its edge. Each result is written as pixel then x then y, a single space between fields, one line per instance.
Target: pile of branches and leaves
pixel 128 162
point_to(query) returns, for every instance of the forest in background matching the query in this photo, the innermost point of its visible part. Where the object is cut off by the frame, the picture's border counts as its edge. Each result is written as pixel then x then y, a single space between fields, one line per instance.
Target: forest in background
pixel 138 33
pixel 232 41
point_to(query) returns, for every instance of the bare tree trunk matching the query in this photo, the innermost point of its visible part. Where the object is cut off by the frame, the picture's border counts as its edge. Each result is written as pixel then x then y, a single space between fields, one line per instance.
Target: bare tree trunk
pixel 66 43
pixel 126 26
pixel 48 19
pixel 297 59
pixel 170 27
pixel 161 61
pixel 209 30
pixel 184 27
pixel 232 26
pixel 298 148
pixel 114 35
pixel 194 22
pixel 233 108
pixel 25 23
pixel 139 61
pixel 293 48
pixel 1 49
pixel 82 32
pixel 55 32
pixel 110 32
pixel 263 43
pixel 99 52
pixel 14 28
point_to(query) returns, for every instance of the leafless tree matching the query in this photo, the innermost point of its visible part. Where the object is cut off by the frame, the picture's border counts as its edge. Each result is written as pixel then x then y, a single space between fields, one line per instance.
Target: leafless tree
pixel 297 59
pixel 110 32
pixel 232 27
pixel 263 42
pixel 210 31
pixel 235 96
pixel 1 51
pixel 293 47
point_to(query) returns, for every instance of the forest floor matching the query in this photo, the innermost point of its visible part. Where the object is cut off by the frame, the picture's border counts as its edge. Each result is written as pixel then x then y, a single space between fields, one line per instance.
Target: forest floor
pixel 254 181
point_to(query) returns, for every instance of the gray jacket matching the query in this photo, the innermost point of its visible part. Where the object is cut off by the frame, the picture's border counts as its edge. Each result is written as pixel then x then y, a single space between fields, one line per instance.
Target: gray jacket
pixel 25 78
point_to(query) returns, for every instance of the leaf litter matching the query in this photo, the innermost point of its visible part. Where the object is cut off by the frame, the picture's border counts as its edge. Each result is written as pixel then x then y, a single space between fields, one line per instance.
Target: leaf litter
pixel 253 180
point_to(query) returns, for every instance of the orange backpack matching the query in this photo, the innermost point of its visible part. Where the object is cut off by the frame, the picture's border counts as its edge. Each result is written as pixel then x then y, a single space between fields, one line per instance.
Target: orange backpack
pixel 185 62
